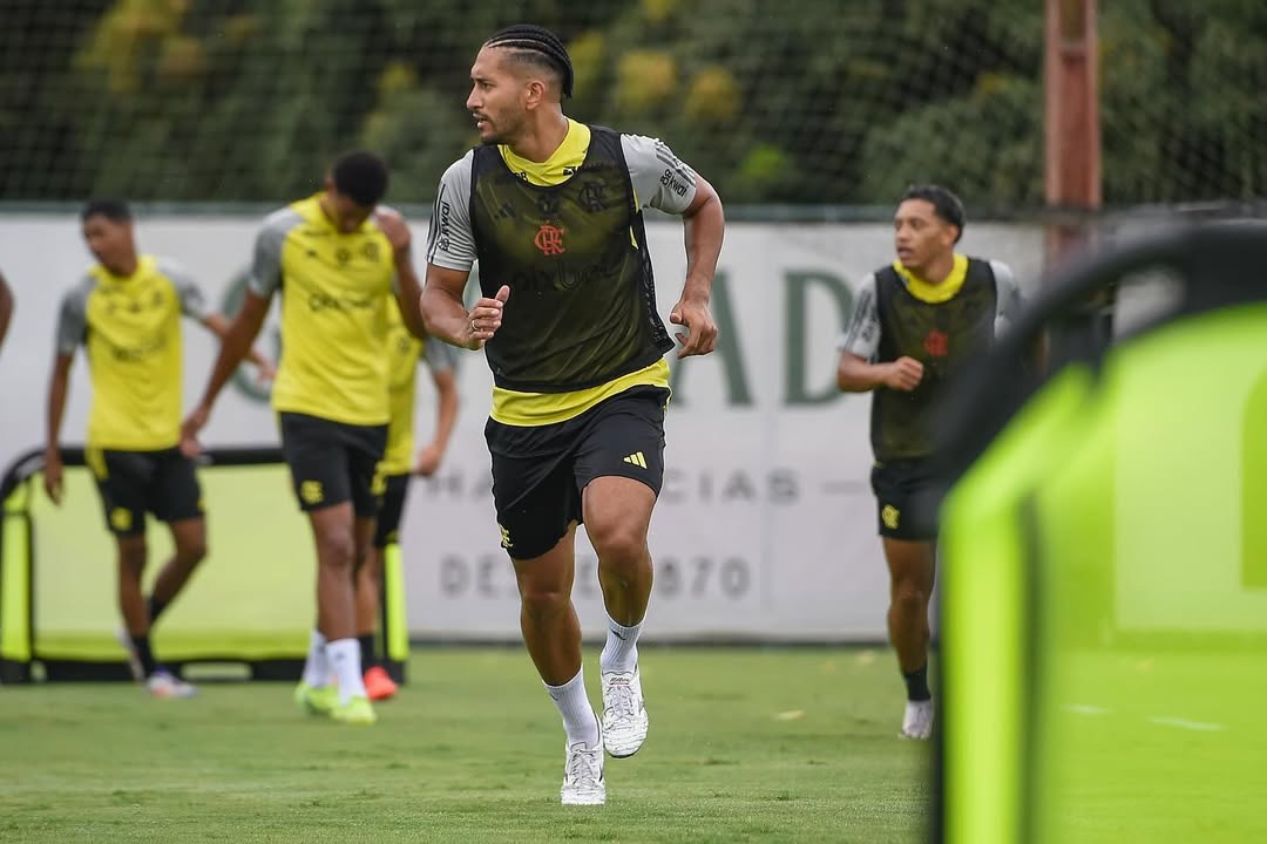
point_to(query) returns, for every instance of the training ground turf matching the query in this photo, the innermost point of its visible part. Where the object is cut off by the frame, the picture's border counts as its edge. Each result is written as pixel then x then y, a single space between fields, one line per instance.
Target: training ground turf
pixel 745 744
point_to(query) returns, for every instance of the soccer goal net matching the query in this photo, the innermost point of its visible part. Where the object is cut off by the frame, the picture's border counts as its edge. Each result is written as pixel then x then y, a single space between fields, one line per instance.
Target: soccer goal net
pixel 250 603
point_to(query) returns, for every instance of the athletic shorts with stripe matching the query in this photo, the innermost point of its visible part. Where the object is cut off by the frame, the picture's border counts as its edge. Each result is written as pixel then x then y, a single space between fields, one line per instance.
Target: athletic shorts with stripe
pixel 540 472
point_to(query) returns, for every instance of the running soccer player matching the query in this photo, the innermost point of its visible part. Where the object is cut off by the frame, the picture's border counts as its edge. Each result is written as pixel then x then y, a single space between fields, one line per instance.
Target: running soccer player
pixel 126 313
pixel 336 257
pixel 915 325
pixel 552 208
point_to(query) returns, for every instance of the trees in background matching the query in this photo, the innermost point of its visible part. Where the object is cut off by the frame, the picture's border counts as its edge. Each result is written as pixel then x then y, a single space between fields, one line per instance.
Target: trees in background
pixel 814 101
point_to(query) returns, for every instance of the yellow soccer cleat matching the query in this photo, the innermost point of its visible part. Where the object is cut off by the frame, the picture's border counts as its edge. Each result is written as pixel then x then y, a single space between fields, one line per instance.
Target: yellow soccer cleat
pixel 356 711
pixel 316 700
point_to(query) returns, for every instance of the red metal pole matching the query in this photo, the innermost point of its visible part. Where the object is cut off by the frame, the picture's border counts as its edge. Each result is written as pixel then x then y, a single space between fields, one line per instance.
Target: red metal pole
pixel 1072 125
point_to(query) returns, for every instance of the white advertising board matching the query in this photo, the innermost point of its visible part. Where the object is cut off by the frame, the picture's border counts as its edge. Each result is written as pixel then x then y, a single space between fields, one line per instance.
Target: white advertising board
pixel 766 528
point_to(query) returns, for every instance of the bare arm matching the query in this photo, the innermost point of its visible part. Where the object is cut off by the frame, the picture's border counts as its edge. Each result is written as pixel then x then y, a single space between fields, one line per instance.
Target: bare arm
pixel 856 375
pixel 446 318
pixel 58 381
pixel 408 289
pixel 703 225
pixel 444 315
pixel 234 346
pixel 446 417
pixel 6 308
pixel 218 325
pixel 408 294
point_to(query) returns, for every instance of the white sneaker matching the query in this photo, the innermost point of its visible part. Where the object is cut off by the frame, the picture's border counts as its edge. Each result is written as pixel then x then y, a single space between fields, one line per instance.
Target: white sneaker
pixel 918 720
pixel 164 684
pixel 134 662
pixel 624 713
pixel 583 775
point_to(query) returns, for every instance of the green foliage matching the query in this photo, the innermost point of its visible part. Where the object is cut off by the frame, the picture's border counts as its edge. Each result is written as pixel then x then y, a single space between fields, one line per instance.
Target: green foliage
pixel 945 142
pixel 816 101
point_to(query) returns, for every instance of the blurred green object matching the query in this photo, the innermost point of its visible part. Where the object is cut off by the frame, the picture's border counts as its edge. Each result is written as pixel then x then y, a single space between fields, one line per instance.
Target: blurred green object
pixel 1104 568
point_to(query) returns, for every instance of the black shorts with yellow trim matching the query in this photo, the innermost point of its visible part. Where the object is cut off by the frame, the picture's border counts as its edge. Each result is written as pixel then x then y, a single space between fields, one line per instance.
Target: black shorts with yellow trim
pixel 907 499
pixel 540 472
pixel 132 483
pixel 391 508
pixel 333 462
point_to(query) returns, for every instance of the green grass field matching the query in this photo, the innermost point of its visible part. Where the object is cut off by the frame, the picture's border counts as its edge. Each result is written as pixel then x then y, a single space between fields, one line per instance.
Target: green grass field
pixel 745 744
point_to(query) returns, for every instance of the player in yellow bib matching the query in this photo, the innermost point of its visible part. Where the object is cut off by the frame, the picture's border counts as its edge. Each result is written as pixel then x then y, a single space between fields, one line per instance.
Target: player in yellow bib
pixel 337 258
pixel 405 352
pixel 552 209
pixel 126 313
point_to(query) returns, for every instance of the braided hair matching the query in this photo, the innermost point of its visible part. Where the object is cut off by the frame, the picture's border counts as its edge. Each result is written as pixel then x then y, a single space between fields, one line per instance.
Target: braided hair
pixel 537 45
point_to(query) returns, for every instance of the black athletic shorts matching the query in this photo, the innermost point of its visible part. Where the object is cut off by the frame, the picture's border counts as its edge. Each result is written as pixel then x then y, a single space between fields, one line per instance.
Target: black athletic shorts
pixel 133 483
pixel 907 499
pixel 395 489
pixel 332 462
pixel 539 472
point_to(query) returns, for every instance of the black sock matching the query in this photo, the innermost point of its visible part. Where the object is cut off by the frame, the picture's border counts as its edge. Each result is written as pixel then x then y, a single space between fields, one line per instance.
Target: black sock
pixel 155 608
pixel 144 654
pixel 367 651
pixel 918 684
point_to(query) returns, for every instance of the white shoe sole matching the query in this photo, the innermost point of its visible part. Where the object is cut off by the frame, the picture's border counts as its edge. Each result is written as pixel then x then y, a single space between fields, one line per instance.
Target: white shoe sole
pixel 584 801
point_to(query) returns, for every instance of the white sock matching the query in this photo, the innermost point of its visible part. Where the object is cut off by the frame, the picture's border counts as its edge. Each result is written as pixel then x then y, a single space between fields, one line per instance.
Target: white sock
pixel 345 658
pixel 620 652
pixel 316 667
pixel 580 723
